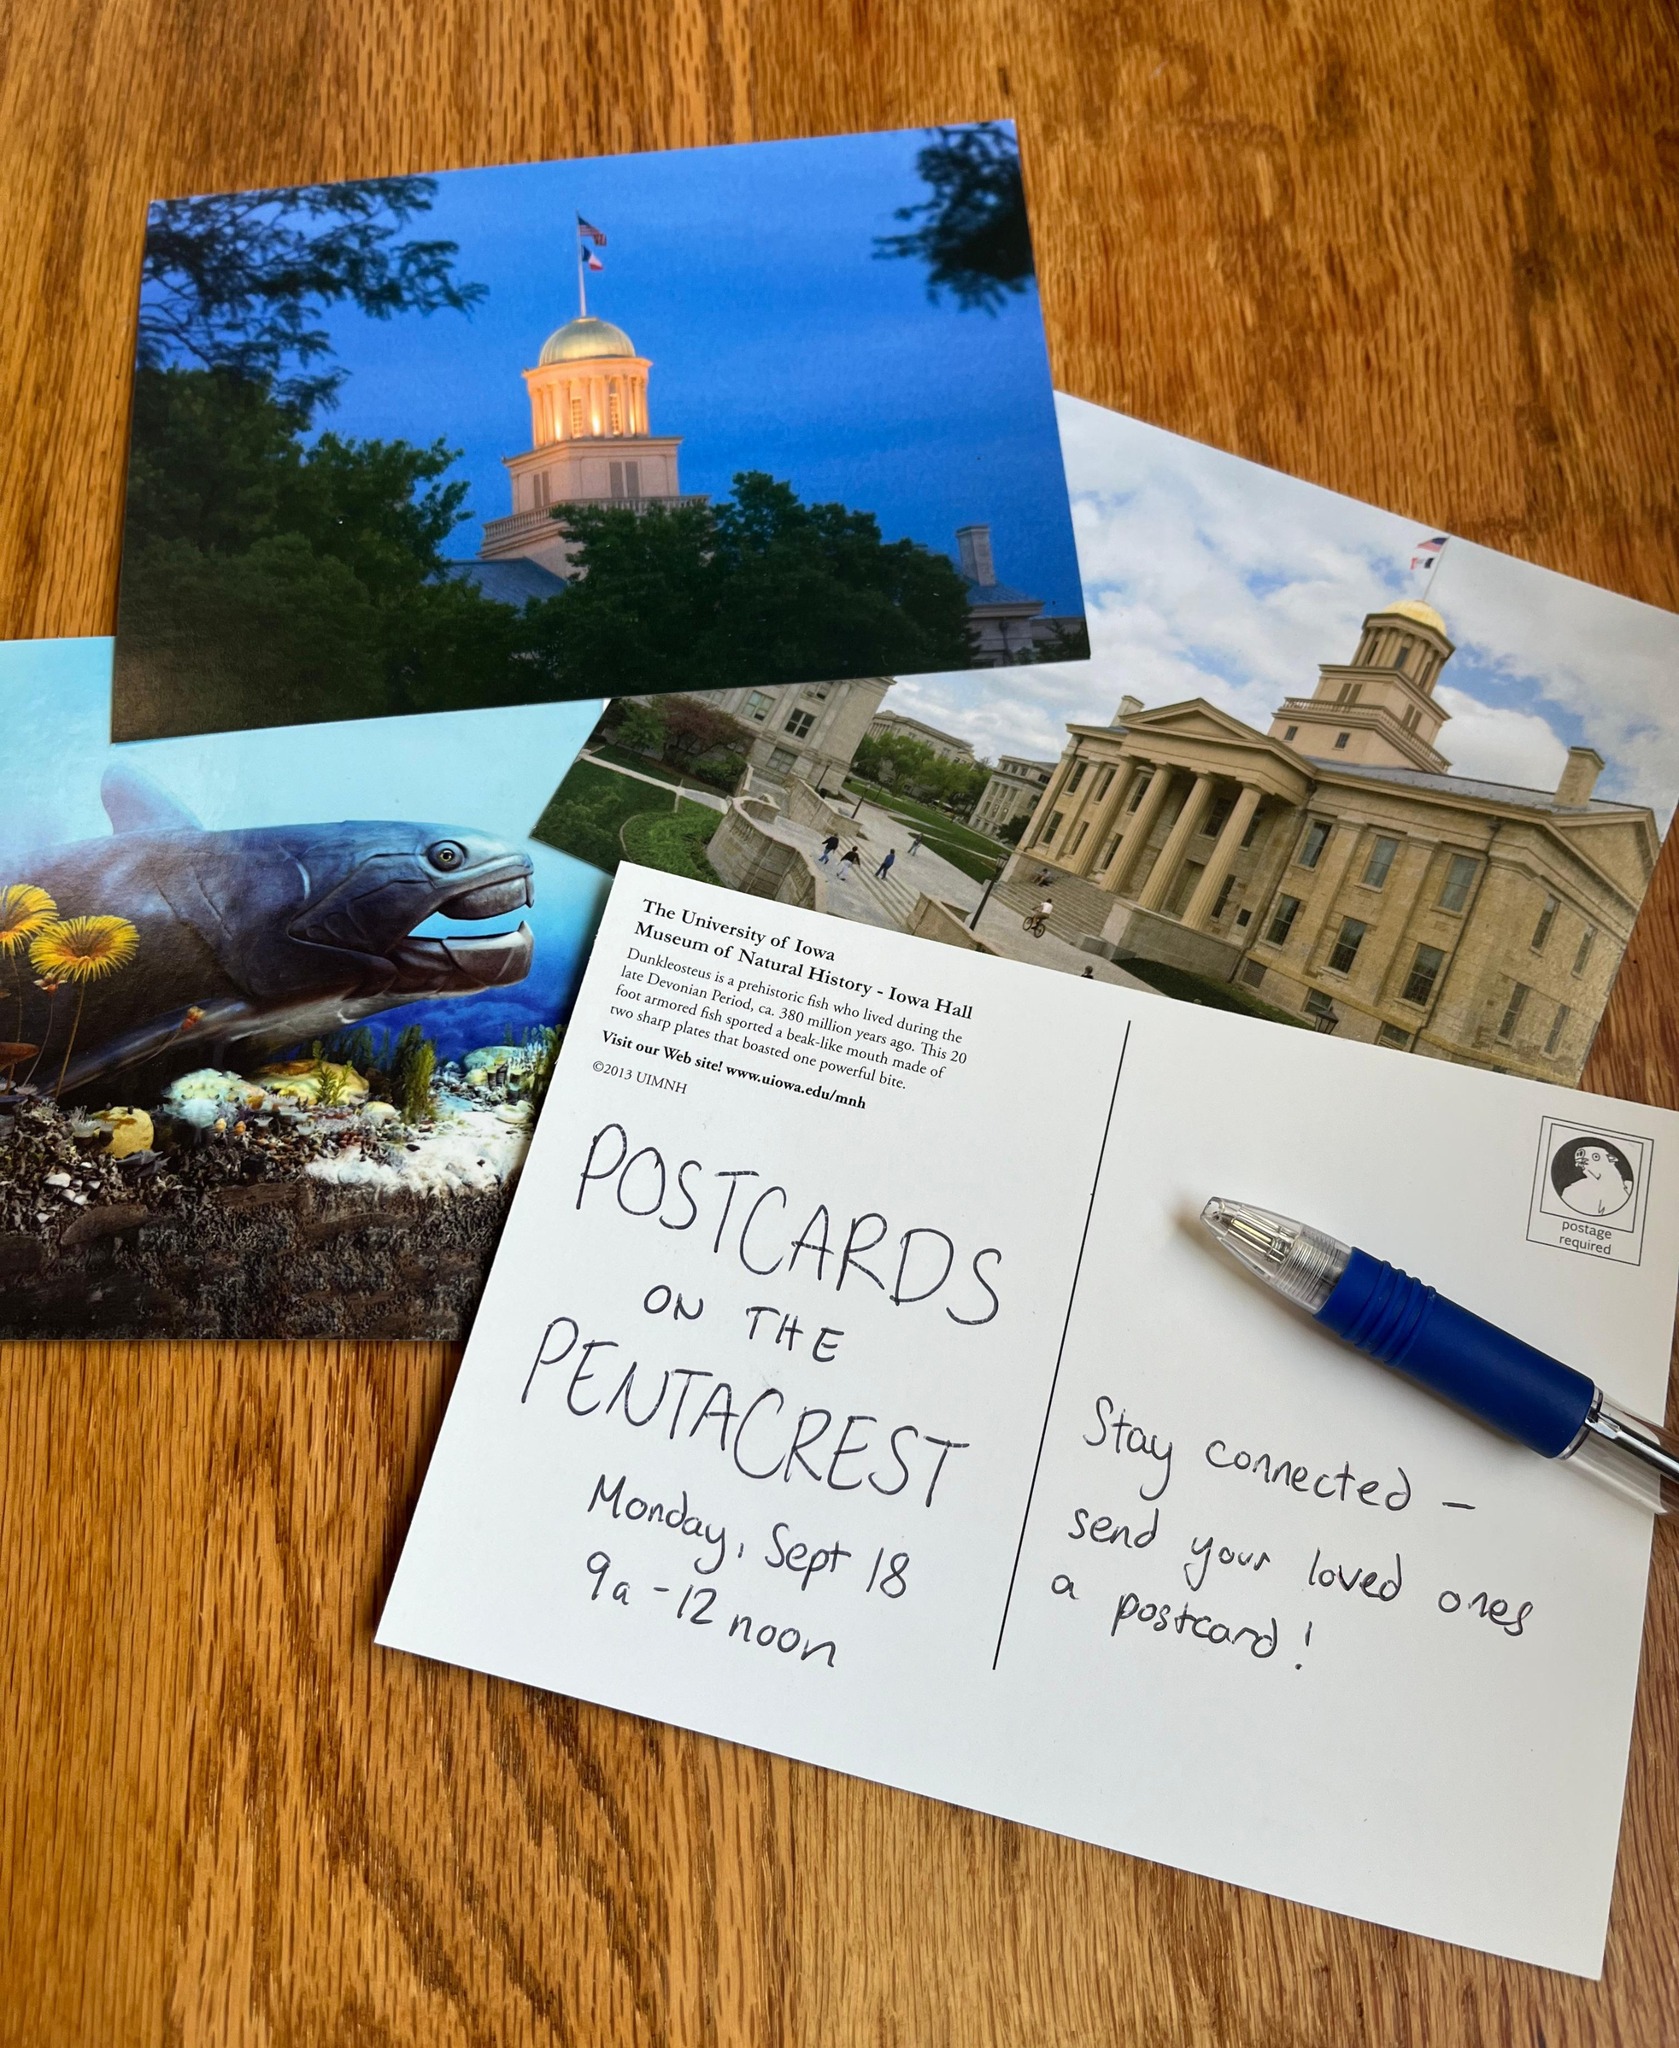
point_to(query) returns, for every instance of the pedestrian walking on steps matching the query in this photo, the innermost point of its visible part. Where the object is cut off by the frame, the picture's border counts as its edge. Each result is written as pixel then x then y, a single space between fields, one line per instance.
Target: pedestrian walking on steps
pixel 891 856
pixel 849 861
pixel 829 845
pixel 915 843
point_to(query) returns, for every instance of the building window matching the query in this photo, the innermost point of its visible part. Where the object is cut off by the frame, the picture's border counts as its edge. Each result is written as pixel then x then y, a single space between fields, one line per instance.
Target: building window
pixel 1243 917
pixel 1513 1010
pixel 1341 739
pixel 1413 718
pixel 1225 888
pixel 1050 830
pixel 819 691
pixel 1288 909
pixel 614 410
pixel 1345 949
pixel 1394 1035
pixel 1287 736
pixel 1316 839
pixel 1077 839
pixel 1559 1024
pixel 1542 930
pixel 1139 793
pixel 539 489
pixel 577 416
pixel 1222 806
pixel 1102 782
pixel 1318 1004
pixel 757 707
pixel 1381 859
pixel 632 479
pixel 1455 892
pixel 1425 971
pixel 1077 776
pixel 616 471
pixel 1350 693
pixel 1584 951
pixel 781 759
pixel 1252 833
pixel 1253 973
pixel 1107 853
pixel 799 723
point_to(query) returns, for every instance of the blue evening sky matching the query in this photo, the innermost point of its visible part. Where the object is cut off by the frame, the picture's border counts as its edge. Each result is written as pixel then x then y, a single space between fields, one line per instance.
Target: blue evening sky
pixel 779 341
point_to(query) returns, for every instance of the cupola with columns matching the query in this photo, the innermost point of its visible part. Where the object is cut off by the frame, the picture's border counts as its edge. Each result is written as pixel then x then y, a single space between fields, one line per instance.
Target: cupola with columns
pixel 1379 709
pixel 591 442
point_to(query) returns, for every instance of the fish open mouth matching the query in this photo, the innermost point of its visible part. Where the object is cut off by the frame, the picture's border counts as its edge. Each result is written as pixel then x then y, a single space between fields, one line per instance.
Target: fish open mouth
pixel 458 963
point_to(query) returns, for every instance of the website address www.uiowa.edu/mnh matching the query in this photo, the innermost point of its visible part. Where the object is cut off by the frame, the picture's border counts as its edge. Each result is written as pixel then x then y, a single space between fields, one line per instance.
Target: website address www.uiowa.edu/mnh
pixel 798 1087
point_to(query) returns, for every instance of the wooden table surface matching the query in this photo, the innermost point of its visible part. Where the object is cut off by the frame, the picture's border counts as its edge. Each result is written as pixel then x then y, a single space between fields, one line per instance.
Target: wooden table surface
pixel 1423 254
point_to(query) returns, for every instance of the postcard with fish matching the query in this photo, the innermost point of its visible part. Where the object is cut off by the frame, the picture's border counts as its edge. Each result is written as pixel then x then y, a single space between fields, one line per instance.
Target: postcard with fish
pixel 276 1010
pixel 745 416
pixel 1327 766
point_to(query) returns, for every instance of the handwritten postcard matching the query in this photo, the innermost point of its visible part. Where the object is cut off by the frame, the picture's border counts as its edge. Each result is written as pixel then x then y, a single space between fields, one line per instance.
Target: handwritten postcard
pixel 854 1380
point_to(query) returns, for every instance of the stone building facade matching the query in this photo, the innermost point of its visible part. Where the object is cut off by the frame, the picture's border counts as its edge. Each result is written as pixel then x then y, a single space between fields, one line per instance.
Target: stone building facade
pixel 899 725
pixel 1013 791
pixel 1336 867
pixel 805 730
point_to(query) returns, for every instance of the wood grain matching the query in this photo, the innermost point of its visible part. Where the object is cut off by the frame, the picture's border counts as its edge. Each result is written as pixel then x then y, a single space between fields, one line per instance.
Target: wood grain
pixel 1424 255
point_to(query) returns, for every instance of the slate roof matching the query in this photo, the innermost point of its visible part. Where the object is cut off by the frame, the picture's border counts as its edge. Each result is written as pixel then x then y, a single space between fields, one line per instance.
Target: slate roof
pixel 999 593
pixel 1465 785
pixel 513 581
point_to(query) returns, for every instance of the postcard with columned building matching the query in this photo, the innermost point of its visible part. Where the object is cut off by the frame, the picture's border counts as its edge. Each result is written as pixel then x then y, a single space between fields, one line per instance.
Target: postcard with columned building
pixel 1326 765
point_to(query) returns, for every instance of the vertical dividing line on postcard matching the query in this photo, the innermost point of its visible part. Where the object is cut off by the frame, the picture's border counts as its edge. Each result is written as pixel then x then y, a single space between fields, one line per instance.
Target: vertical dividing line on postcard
pixel 1061 1348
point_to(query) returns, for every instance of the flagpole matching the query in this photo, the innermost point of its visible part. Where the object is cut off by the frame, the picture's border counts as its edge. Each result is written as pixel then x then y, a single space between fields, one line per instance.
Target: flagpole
pixel 1434 566
pixel 582 297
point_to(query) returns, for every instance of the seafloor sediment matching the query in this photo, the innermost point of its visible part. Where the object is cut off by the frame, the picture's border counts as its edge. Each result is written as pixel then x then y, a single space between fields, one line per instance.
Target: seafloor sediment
pixel 291 1258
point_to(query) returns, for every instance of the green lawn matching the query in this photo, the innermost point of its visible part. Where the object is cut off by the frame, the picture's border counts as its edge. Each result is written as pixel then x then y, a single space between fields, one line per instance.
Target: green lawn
pixel 598 816
pixel 674 840
pixel 961 845
pixel 1215 995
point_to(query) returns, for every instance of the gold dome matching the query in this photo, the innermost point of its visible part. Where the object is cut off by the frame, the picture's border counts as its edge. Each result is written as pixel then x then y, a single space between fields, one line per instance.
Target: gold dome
pixel 585 340
pixel 1413 608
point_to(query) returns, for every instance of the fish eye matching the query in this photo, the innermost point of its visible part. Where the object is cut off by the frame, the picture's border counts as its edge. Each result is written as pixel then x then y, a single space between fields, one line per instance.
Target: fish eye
pixel 447 854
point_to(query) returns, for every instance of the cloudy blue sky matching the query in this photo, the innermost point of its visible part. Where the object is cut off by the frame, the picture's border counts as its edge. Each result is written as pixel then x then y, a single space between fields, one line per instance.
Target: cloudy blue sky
pixel 1207 576
pixel 779 341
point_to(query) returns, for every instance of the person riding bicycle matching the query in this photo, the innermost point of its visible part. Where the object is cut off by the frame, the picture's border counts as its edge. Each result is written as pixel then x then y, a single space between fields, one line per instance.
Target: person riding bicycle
pixel 1037 923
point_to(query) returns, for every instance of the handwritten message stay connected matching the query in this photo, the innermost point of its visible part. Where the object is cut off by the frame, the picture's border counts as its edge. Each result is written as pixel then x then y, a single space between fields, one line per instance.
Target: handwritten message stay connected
pixel 852 1381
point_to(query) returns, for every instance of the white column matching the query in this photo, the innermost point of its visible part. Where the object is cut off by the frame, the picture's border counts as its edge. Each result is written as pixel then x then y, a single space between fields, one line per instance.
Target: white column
pixel 1198 913
pixel 1158 887
pixel 1137 831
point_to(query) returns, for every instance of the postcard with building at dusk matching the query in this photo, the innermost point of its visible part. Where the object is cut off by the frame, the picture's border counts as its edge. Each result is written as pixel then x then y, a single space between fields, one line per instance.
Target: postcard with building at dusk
pixel 559 431
pixel 1326 765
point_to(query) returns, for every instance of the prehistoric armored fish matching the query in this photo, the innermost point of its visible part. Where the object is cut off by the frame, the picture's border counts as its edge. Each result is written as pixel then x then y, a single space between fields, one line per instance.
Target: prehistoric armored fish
pixel 253 940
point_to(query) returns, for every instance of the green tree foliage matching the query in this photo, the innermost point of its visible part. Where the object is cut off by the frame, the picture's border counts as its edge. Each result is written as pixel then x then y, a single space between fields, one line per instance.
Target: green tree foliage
pixel 641 728
pixel 973 235
pixel 239 281
pixel 270 580
pixel 911 768
pixel 760 589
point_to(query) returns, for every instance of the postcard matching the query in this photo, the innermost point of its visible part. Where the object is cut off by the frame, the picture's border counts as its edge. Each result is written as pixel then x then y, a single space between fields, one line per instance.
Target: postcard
pixel 1326 766
pixel 855 1380
pixel 749 416
pixel 276 1010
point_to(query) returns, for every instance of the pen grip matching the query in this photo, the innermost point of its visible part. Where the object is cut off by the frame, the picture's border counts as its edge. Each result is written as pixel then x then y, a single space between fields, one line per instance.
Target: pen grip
pixel 1517 1389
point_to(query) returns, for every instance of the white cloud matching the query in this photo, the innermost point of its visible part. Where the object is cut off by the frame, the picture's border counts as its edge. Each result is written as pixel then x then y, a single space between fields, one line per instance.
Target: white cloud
pixel 1209 576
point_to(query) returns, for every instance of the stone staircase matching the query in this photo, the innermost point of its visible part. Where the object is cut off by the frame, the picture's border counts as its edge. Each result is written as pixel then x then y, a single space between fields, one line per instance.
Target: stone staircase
pixel 1080 907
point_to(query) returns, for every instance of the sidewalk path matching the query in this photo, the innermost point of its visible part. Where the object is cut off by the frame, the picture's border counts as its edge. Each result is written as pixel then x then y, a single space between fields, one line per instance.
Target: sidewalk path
pixel 708 797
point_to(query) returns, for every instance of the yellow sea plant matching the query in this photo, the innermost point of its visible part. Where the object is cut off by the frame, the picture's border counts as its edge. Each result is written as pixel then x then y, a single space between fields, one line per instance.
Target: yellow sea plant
pixel 25 910
pixel 81 950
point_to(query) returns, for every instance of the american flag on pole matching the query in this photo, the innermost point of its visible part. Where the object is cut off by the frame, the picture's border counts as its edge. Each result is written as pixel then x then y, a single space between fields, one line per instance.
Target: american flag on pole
pixel 588 229
pixel 1427 555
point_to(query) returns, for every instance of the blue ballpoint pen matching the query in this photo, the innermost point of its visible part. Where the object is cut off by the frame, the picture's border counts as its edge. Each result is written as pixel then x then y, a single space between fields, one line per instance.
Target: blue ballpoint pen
pixel 1515 1388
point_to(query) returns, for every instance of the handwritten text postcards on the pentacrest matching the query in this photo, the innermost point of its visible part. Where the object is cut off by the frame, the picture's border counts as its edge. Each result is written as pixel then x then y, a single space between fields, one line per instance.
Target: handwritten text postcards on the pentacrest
pixel 853 1380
